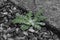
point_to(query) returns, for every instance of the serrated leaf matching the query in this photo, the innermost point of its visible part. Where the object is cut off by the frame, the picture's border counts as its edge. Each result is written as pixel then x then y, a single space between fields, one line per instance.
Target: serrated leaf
pixel 29 14
pixel 16 21
pixel 42 18
pixel 40 23
pixel 39 16
pixel 17 14
pixel 24 27
pixel 37 27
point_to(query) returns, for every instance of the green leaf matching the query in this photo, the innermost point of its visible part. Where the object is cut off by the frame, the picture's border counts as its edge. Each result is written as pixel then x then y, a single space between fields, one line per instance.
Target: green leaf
pixel 24 27
pixel 16 21
pixel 40 23
pixel 39 16
pixel 42 18
pixel 37 27
pixel 29 14
pixel 20 19
pixel 17 14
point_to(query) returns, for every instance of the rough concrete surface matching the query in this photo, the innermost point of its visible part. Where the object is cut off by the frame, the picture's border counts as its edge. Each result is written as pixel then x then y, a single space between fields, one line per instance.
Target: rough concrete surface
pixel 52 8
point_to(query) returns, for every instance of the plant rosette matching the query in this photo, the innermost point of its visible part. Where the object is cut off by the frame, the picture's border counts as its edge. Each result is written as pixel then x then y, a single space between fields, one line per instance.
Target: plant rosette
pixel 30 19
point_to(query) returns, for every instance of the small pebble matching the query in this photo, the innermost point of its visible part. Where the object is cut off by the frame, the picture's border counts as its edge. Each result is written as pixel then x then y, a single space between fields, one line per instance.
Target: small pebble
pixel 36 31
pixel 20 38
pixel 31 30
pixel 34 38
pixel 8 35
pixel 5 13
pixel 57 39
pixel 50 39
pixel 14 8
pixel 17 29
pixel 9 29
pixel 4 31
pixel 4 35
pixel 10 39
pixel 11 11
pixel 1 28
pixel 25 33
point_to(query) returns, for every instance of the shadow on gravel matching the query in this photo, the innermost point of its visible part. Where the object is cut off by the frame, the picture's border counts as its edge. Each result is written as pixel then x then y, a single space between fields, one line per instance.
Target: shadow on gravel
pixel 52 28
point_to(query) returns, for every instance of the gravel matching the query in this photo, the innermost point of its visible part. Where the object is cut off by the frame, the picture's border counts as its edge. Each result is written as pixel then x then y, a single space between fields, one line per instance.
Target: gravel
pixel 10 31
